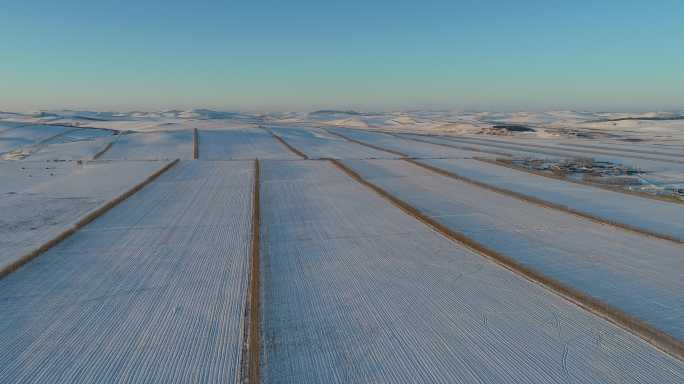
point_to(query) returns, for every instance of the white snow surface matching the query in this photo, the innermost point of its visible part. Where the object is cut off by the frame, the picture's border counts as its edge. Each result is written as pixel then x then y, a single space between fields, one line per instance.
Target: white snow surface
pixel 151 292
pixel 410 148
pixel 40 200
pixel 638 274
pixel 354 290
pixel 241 143
pixel 318 144
pixel 661 217
pixel 151 146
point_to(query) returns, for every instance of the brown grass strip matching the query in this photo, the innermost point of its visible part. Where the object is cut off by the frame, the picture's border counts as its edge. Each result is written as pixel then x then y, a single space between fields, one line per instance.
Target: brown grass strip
pixel 645 195
pixel 195 144
pixel 83 222
pixel 286 144
pixel 103 151
pixel 647 332
pixel 543 203
pixel 251 351
pixel 366 144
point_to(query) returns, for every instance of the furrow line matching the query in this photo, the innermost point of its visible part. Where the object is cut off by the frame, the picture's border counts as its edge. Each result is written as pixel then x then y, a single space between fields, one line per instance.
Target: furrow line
pixel 590 147
pixel 650 334
pixel 103 150
pixel 286 144
pixel 523 197
pixel 543 203
pixel 463 147
pixel 83 222
pixel 580 182
pixel 195 144
pixel 542 150
pixel 250 366
pixel 366 144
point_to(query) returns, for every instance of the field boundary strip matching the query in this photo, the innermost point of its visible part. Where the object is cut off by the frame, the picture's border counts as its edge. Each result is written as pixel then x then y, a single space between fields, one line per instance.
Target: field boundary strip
pixel 366 144
pixel 543 203
pixel 523 197
pixel 579 148
pixel 580 182
pixel 195 144
pixel 455 146
pixel 543 150
pixel 286 144
pixel 90 217
pixel 250 365
pixel 648 333
pixel 632 150
pixel 108 146
pixel 103 151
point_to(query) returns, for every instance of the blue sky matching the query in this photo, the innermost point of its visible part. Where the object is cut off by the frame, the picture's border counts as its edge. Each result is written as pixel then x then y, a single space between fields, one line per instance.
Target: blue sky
pixel 303 55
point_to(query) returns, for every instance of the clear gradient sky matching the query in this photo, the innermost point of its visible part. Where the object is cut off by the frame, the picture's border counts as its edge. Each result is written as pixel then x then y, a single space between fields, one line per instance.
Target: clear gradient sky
pixel 308 54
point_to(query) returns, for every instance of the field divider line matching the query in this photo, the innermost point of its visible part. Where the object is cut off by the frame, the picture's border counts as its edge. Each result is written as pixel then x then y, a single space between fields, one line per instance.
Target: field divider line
pixel 520 196
pixel 90 217
pixel 250 365
pixel 366 144
pixel 103 150
pixel 40 144
pixel 195 144
pixel 108 146
pixel 629 150
pixel 645 195
pixel 543 203
pixel 455 146
pixel 545 149
pixel 585 149
pixel 286 144
pixel 654 336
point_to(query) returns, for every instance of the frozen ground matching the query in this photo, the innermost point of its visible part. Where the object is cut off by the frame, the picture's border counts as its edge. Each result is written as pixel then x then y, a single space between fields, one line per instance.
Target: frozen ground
pixel 640 275
pixel 241 143
pixel 152 292
pixel 151 146
pixel 356 291
pixel 39 200
pixel 660 217
pixel 319 144
pixel 351 288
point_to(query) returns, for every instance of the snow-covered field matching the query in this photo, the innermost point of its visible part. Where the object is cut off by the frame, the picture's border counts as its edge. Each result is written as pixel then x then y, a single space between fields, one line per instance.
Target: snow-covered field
pixel 152 292
pixel 151 146
pixel 241 143
pixel 638 274
pixel 355 291
pixel 39 200
pixel 354 278
pixel 319 144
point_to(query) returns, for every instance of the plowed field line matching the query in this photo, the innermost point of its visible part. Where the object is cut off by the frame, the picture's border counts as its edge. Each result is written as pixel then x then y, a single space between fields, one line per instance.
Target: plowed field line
pixel 286 144
pixel 83 222
pixel 251 351
pixel 645 195
pixel 542 149
pixel 520 196
pixel 543 203
pixel 366 144
pixel 652 335
pixel 195 144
